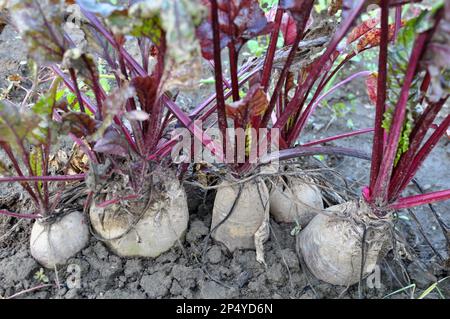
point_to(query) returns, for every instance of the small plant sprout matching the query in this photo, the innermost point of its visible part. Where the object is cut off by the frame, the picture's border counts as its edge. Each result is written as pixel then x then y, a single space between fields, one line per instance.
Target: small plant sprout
pixel 41 276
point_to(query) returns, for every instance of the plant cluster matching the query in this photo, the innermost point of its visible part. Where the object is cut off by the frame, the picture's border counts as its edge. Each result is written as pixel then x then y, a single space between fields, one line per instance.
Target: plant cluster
pixel 115 95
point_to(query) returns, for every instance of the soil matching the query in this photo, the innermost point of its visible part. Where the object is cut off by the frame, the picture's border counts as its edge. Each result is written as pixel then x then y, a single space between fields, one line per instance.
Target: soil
pixel 202 268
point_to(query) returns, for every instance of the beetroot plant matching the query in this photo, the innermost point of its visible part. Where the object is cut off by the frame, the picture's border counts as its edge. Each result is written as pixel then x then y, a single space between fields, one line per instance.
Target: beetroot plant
pixel 271 111
pixel 139 208
pixel 27 138
pixel 411 89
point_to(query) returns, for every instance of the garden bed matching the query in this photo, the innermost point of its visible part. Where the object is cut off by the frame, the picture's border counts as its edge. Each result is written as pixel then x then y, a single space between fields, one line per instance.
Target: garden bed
pixel 199 267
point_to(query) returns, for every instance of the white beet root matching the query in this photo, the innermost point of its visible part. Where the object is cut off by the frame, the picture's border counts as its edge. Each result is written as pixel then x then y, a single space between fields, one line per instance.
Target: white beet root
pixel 52 244
pixel 293 203
pixel 149 233
pixel 250 211
pixel 331 246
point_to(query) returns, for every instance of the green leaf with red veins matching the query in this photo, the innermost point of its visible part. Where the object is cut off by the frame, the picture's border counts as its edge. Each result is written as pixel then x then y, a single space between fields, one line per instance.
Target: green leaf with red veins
pixel 40 23
pixel 19 127
pixel 44 106
pixel 44 109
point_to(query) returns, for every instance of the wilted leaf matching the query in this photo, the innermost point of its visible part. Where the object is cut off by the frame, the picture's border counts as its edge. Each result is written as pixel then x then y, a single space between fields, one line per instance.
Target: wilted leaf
pixel 171 27
pixel 40 23
pixel 262 234
pixel 58 161
pixel 79 162
pixel 141 19
pixel 185 75
pixel 362 29
pixel 16 78
pixel 255 103
pixel 290 82
pixel 371 85
pixel 372 38
pixel 180 19
pixel 79 124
